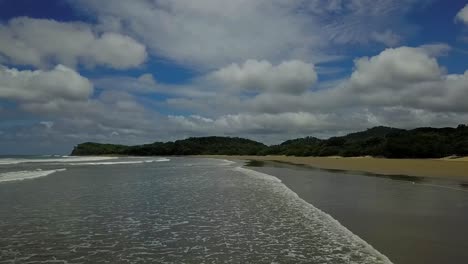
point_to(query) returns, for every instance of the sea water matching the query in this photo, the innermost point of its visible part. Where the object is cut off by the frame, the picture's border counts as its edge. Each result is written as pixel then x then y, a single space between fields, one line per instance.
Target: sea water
pixel 160 210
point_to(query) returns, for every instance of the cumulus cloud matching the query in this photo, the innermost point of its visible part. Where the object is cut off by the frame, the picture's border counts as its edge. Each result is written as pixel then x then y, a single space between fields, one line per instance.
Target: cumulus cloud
pixel 261 76
pixel 110 116
pixel 43 42
pixel 272 128
pixel 462 15
pixel 213 33
pixel 43 86
pixel 209 33
pixel 408 77
pixel 394 67
pixel 402 77
pixel 259 123
pixel 399 87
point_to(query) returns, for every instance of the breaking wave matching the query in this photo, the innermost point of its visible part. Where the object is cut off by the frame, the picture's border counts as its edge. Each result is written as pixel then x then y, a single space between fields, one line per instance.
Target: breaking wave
pixel 26 175
pixel 313 212
pixel 119 162
pixel 9 161
pixel 257 174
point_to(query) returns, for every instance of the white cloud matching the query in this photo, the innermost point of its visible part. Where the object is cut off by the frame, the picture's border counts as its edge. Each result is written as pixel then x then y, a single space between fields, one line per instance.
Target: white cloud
pixel 209 34
pixel 95 119
pixel 147 79
pixel 272 128
pixel 43 42
pixel 47 124
pixel 43 86
pixel 142 84
pixel 395 68
pixel 261 76
pixel 407 77
pixel 406 81
pixel 362 21
pixel 436 49
pixel 255 123
pixel 462 15
pixel 387 37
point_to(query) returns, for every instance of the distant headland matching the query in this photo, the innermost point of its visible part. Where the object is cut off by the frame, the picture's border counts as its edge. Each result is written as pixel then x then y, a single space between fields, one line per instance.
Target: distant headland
pixel 385 142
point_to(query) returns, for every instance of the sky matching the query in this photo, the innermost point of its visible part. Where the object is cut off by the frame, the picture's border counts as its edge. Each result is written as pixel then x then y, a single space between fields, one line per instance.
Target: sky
pixel 140 71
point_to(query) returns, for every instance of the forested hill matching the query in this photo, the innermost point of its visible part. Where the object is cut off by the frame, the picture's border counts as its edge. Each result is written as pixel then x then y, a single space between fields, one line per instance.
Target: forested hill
pixel 378 141
pixel 190 146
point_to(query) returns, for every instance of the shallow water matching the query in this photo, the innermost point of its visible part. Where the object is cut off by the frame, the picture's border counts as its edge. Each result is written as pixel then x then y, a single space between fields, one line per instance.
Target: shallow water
pixel 180 210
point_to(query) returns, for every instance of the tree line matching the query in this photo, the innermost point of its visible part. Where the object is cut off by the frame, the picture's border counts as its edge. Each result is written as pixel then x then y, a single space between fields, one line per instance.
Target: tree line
pixel 378 142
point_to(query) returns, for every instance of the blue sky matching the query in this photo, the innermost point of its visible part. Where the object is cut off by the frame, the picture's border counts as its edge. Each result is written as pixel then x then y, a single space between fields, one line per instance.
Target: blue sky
pixel 140 71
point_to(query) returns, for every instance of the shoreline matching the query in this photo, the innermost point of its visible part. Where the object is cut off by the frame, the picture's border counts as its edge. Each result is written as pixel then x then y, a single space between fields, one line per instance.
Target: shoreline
pixel 393 210
pixel 451 169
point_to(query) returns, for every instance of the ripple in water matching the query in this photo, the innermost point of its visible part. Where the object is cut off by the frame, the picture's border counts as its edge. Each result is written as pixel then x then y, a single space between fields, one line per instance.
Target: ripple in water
pixel 208 212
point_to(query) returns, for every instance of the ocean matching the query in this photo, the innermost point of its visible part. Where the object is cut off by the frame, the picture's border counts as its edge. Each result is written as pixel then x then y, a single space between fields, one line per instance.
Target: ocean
pixel 162 210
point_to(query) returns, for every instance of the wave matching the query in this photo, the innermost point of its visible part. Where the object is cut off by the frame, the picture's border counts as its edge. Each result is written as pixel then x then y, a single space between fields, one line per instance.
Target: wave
pixel 227 162
pixel 257 174
pixel 119 162
pixel 26 175
pixel 313 212
pixel 9 161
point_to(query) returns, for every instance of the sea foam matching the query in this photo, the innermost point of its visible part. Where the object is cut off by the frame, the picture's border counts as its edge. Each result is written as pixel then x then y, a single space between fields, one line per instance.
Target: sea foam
pixel 314 213
pixel 9 161
pixel 26 175
pixel 227 162
pixel 257 174
pixel 119 162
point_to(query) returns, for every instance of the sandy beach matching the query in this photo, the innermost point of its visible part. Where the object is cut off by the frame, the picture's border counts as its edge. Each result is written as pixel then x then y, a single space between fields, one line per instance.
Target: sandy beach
pixel 439 168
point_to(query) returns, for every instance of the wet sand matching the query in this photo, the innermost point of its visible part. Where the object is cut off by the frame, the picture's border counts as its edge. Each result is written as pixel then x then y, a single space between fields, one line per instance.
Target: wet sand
pixel 409 219
pixel 440 168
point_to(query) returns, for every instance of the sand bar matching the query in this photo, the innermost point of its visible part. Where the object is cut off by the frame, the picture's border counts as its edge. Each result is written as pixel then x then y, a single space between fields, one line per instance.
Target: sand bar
pixel 439 168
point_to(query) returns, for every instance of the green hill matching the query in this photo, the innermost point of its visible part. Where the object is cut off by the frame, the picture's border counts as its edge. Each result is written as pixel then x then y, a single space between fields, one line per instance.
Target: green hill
pixel 190 146
pixel 378 141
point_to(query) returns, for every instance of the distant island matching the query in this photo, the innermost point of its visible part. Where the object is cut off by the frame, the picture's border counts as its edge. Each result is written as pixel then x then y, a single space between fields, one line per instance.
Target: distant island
pixel 385 142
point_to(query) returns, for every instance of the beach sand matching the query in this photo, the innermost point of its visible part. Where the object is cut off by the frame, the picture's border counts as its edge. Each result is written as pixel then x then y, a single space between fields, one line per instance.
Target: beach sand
pixel 439 168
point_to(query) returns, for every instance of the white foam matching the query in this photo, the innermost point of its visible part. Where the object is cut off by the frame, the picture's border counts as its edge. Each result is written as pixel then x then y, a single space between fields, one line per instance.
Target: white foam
pixel 227 162
pixel 314 210
pixel 26 175
pixel 9 161
pixel 256 174
pixel 119 162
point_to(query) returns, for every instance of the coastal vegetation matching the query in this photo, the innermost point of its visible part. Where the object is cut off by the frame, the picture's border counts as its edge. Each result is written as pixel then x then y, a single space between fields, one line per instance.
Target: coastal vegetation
pixel 190 146
pixel 378 142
